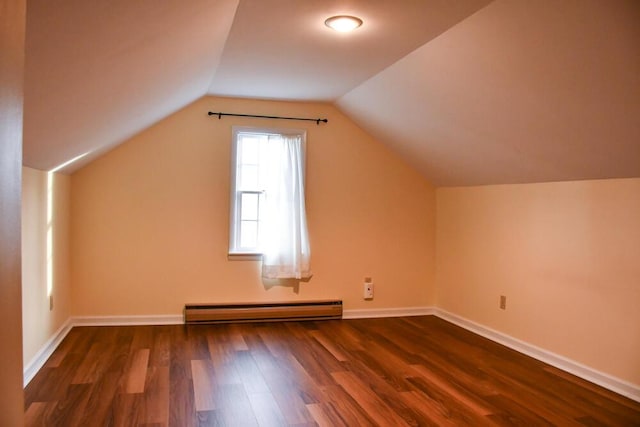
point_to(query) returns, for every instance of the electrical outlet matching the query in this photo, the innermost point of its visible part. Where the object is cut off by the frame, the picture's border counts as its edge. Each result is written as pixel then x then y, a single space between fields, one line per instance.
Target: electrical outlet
pixel 50 302
pixel 368 288
pixel 503 302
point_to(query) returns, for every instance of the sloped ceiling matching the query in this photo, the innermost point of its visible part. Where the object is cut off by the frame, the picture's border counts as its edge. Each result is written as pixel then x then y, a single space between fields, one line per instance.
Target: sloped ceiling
pixel 470 92
pixel 522 91
pixel 98 72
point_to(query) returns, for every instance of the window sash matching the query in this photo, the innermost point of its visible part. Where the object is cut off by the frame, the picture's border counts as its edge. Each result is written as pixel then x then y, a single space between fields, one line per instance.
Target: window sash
pixel 238 189
pixel 242 219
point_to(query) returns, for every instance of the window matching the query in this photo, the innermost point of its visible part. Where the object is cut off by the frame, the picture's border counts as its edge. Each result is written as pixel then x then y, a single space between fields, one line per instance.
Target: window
pixel 248 190
pixel 267 201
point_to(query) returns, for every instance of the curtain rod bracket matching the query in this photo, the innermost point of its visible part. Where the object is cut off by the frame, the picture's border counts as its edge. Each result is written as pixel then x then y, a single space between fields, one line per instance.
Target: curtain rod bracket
pixel 220 114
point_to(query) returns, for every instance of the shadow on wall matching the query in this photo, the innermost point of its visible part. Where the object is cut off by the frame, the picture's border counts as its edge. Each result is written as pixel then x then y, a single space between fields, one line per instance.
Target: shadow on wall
pixel 294 284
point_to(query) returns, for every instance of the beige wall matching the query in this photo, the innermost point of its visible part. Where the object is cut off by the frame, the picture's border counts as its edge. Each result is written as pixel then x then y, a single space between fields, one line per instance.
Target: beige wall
pixel 12 25
pixel 150 219
pixel 40 323
pixel 566 255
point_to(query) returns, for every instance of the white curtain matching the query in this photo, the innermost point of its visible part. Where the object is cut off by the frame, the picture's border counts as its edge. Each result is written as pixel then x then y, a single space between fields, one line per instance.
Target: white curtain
pixel 285 253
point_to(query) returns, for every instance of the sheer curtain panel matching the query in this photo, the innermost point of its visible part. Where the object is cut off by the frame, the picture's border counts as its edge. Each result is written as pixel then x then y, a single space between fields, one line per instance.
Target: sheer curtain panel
pixel 285 252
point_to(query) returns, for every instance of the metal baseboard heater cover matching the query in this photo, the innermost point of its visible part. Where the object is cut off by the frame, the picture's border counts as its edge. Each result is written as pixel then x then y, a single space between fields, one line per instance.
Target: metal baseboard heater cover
pixel 262 312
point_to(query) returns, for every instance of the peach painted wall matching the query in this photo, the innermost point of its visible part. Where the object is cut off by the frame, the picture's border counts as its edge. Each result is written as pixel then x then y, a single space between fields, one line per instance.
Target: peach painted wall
pixel 38 322
pixel 566 255
pixel 150 219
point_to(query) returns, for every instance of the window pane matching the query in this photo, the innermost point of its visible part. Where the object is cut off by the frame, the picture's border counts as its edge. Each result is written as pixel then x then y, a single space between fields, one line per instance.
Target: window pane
pixel 253 166
pixel 249 206
pixel 249 234
pixel 249 150
pixel 249 177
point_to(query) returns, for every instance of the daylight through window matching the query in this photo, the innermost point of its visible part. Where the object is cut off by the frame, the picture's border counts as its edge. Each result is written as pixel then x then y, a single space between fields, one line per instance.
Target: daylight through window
pixel 267 201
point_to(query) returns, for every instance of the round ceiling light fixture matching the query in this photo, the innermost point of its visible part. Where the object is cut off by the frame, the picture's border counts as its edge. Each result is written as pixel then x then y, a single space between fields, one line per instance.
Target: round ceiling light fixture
pixel 343 23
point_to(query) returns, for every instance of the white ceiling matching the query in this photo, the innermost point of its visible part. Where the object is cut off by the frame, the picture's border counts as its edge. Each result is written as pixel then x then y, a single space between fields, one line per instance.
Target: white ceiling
pixel 468 92
pixel 282 50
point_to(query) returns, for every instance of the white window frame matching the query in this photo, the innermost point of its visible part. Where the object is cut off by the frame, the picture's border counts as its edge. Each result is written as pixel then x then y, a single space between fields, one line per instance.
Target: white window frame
pixel 236 252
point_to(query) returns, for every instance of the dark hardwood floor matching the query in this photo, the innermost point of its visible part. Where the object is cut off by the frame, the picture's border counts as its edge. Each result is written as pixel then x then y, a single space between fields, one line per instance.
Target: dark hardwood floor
pixel 385 372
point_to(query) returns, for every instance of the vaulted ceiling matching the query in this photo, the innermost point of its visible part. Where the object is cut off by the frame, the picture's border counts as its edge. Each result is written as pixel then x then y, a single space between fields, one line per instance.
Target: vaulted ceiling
pixel 468 91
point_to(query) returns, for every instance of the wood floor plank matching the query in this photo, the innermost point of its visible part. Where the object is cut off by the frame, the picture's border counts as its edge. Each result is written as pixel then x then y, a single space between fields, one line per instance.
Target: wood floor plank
pixel 156 398
pixel 341 408
pixel 275 340
pixel 609 402
pixel 223 356
pixel 221 348
pixel 234 406
pixel 468 372
pixel 551 409
pixel 386 365
pixel 204 385
pixel 474 403
pixel 310 386
pixel 198 346
pixel 281 380
pixel 126 410
pixel 137 373
pixel 320 352
pixel 161 348
pixel 93 364
pixel 55 359
pixel 250 374
pixel 293 408
pixel 435 413
pixel 182 412
pixel 366 372
pixel 322 416
pixel 368 399
pixel 266 410
pixel 143 336
pixel 34 415
pixel 275 370
pixel 52 383
pixel 69 410
pixel 518 414
pixel 329 345
pixel 99 407
pixel 343 333
pixel 60 353
pixel 385 387
pixel 237 339
pixel 208 419
pixel 446 405
pixel 312 368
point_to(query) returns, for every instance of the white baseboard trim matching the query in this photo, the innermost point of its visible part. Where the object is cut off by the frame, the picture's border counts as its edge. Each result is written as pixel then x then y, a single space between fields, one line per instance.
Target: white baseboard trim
pixel 617 385
pixel 163 319
pixel 38 361
pixel 387 312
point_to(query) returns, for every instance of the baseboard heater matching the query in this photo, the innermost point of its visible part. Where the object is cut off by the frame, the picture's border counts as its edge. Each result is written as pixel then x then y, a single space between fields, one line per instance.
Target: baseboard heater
pixel 262 312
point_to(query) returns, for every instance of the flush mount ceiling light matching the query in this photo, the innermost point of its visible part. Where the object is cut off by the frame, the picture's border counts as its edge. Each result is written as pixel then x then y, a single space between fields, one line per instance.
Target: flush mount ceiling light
pixel 343 23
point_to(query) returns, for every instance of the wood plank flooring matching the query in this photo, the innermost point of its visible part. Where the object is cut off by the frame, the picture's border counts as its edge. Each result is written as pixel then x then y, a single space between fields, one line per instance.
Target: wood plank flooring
pixel 371 372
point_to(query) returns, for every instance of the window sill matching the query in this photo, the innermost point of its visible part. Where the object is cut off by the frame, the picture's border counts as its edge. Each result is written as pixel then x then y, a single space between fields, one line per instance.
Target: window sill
pixel 244 256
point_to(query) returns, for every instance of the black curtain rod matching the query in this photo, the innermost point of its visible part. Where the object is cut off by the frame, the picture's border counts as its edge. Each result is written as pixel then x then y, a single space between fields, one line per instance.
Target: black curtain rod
pixel 211 113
